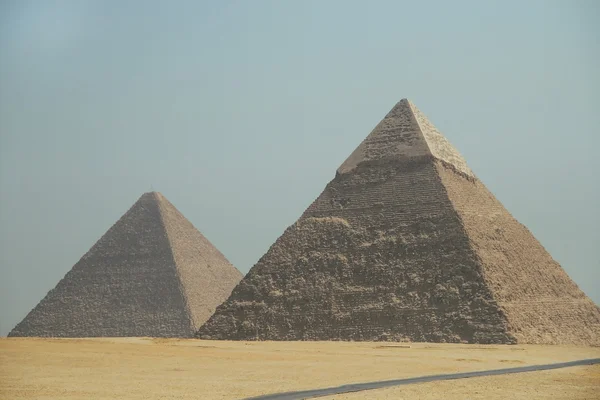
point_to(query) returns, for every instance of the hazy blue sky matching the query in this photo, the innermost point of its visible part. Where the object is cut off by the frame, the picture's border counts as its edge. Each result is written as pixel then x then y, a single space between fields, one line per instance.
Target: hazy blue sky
pixel 239 112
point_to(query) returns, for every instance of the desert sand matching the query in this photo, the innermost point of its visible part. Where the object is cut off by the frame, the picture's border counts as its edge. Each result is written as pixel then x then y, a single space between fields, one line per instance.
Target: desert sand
pixel 145 368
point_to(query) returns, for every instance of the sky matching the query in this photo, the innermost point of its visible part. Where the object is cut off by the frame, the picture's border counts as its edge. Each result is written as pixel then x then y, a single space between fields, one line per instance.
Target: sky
pixel 239 112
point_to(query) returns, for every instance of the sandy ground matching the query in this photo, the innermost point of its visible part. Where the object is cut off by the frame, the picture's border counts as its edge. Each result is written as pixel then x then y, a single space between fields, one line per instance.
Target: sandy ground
pixel 139 368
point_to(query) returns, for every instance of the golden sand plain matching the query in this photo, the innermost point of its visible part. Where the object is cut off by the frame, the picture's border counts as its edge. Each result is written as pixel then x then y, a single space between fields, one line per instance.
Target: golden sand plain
pixel 148 369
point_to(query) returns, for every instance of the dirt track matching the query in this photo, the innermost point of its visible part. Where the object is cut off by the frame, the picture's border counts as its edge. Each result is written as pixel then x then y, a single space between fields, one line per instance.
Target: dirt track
pixel 361 387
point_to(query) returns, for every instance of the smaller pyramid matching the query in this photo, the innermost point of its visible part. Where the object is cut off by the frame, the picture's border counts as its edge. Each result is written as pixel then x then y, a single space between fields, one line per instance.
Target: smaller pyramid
pixel 151 274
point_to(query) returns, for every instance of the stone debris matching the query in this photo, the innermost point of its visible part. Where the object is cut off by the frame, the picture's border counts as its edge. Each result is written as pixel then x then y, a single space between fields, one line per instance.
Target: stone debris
pixel 406 244
pixel 151 274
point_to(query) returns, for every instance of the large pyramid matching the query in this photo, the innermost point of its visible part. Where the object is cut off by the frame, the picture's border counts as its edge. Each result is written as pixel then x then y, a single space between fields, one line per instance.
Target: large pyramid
pixel 151 274
pixel 405 243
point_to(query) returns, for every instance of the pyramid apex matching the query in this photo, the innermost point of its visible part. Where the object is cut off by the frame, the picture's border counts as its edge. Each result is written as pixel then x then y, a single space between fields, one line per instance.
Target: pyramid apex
pixel 152 195
pixel 404 134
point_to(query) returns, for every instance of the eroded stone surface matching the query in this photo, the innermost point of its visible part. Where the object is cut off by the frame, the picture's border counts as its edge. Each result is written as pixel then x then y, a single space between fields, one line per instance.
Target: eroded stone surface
pixel 399 268
pixel 391 250
pixel 397 137
pixel 147 276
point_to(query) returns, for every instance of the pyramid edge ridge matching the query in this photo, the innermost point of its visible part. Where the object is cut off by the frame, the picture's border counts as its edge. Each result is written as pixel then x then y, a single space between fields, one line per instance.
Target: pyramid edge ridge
pixel 438 144
pixel 217 259
pixel 576 336
pixel 156 196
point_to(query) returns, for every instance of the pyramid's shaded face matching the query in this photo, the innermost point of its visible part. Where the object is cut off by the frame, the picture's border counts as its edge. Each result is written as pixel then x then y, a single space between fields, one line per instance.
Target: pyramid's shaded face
pixel 405 243
pixel 151 274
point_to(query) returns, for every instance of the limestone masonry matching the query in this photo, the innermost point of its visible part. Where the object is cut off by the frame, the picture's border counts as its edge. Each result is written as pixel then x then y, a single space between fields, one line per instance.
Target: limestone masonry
pixel 151 274
pixel 405 243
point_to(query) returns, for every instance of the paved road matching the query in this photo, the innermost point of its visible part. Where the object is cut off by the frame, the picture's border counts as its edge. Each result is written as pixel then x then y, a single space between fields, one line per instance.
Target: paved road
pixel 356 387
